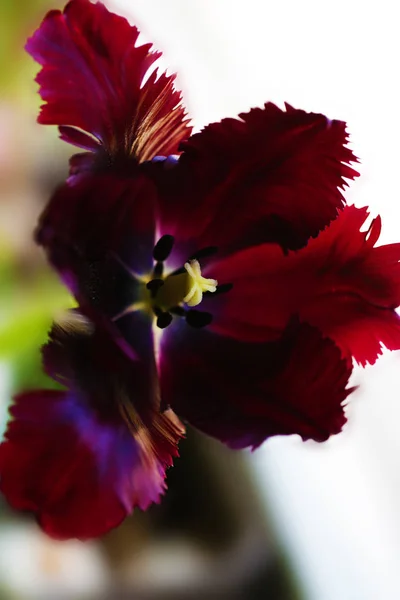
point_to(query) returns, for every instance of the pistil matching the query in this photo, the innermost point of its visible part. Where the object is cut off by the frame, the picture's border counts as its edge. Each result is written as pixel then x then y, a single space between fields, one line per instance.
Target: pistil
pixel 197 284
pixel 182 288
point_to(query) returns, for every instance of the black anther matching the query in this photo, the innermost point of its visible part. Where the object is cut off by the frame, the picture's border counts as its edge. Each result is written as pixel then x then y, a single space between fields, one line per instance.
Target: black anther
pixel 178 310
pixel 154 285
pixel 204 252
pixel 178 272
pixel 158 269
pixel 163 248
pixel 223 288
pixel 198 318
pixel 164 319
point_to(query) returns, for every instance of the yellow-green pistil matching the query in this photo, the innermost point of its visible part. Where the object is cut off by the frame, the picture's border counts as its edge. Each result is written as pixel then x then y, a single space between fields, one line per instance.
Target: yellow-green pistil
pixel 184 288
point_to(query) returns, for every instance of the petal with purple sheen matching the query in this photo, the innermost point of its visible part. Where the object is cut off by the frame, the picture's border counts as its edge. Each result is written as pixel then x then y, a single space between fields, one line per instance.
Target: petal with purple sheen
pixel 96 85
pixel 83 458
pixel 243 394
pixel 79 474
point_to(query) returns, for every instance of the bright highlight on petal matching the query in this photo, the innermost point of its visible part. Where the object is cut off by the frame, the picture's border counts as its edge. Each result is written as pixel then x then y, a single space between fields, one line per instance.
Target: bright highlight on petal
pixel 197 284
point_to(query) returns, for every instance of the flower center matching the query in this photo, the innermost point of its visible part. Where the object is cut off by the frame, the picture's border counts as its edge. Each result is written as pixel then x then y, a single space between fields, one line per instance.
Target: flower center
pixel 178 292
pixel 187 287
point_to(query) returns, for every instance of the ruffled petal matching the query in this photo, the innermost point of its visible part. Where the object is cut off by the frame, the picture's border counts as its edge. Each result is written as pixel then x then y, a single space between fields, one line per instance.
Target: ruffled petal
pixel 83 458
pixel 358 328
pixel 340 282
pixel 79 474
pixel 244 393
pixel 92 84
pixel 272 175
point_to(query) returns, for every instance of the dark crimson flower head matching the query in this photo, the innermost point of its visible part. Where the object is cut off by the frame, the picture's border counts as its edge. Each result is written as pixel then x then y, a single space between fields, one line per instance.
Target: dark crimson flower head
pixel 229 283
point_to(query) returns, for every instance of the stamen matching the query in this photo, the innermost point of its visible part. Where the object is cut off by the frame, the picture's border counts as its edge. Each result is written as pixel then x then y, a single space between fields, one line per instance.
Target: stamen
pixel 169 294
pixel 164 319
pixel 178 272
pixel 198 318
pixel 158 269
pixel 222 289
pixel 154 285
pixel 163 248
pixel 178 310
pixel 197 284
pixel 208 251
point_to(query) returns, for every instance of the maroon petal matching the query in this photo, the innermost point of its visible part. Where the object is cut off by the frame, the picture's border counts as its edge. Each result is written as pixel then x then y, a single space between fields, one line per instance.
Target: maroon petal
pixel 355 286
pixel 92 84
pixel 272 175
pixel 360 329
pixel 80 475
pixel 82 459
pixel 99 233
pixel 99 214
pixel 340 283
pixel 245 393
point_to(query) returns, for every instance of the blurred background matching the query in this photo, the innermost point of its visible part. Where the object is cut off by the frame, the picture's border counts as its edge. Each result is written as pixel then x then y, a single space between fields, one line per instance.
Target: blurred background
pixel 291 521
